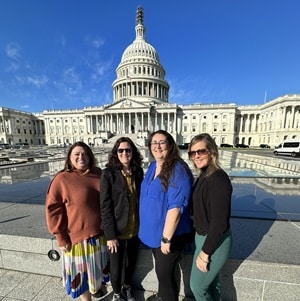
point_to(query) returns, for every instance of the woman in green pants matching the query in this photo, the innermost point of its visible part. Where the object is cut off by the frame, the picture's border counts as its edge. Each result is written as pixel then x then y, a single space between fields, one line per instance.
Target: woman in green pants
pixel 211 214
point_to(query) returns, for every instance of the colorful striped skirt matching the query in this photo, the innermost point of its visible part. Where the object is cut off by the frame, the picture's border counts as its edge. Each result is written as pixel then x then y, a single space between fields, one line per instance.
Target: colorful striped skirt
pixel 84 266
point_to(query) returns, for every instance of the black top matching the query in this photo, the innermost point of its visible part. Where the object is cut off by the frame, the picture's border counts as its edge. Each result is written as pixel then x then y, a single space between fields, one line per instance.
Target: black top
pixel 114 200
pixel 211 207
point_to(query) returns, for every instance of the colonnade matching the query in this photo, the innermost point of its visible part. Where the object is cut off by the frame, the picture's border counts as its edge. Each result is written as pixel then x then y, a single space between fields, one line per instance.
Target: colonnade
pixel 138 88
pixel 131 122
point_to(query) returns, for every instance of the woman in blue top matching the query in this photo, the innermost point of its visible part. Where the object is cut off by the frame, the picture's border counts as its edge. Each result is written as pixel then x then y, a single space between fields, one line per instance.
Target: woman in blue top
pixel 164 214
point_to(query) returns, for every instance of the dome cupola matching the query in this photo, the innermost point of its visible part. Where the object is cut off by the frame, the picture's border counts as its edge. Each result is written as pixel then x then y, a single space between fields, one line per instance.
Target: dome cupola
pixel 140 76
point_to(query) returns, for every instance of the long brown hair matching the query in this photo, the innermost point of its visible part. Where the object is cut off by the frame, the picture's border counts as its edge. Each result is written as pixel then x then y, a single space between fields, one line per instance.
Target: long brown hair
pixel 113 159
pixel 172 157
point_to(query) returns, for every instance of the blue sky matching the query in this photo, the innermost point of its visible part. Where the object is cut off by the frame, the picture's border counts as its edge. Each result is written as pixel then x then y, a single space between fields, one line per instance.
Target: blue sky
pixel 62 54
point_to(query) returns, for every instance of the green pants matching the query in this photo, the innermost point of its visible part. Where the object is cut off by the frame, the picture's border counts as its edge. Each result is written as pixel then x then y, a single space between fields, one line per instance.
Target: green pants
pixel 206 286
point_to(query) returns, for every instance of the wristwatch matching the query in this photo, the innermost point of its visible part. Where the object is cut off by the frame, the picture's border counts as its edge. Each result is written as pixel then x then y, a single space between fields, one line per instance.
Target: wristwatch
pixel 165 240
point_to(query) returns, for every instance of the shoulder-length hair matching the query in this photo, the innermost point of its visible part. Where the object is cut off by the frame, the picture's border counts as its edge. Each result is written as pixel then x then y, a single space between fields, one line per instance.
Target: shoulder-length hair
pixel 92 160
pixel 172 157
pixel 113 159
pixel 212 147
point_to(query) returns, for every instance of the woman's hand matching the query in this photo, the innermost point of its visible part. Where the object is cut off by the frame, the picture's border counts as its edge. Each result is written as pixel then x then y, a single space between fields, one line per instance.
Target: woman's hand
pixel 112 245
pixel 66 248
pixel 202 262
pixel 165 248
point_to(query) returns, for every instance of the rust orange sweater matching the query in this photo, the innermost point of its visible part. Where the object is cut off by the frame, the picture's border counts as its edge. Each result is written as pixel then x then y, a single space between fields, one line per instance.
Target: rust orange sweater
pixel 73 206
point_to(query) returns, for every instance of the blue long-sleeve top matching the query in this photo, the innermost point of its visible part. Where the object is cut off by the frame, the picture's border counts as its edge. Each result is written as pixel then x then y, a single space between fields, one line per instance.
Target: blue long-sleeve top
pixel 155 202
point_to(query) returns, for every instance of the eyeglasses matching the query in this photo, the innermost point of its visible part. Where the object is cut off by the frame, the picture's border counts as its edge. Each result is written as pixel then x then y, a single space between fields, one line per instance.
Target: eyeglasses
pixel 127 150
pixel 161 142
pixel 199 152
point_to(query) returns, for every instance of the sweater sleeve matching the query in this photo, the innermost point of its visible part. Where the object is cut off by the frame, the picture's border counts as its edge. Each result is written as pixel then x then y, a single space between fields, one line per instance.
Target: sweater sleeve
pixel 219 200
pixel 56 216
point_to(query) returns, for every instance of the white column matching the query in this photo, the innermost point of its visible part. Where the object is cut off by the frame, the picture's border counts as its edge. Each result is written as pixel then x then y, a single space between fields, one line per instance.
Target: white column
pixel 129 120
pixel 149 121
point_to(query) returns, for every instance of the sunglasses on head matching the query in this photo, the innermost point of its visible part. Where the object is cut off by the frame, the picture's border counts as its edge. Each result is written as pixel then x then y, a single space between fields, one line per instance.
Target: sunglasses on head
pixel 127 150
pixel 199 152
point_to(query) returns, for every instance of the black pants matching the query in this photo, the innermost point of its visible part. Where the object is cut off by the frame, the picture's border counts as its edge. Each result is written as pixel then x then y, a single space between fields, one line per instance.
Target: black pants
pixel 122 263
pixel 165 268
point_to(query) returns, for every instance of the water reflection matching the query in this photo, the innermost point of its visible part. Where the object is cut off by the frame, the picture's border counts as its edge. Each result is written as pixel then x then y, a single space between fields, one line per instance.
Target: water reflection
pixel 266 188
pixel 274 175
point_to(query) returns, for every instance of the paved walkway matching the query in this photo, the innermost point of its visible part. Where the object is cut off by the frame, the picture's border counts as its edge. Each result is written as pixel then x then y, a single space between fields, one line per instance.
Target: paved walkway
pixel 16 285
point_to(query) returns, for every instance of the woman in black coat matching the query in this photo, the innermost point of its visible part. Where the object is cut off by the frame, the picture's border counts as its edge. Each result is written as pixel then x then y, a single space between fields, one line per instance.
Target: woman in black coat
pixel 119 195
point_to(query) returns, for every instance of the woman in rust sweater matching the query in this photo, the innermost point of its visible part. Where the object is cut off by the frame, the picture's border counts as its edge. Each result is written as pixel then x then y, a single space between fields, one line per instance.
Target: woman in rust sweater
pixel 73 216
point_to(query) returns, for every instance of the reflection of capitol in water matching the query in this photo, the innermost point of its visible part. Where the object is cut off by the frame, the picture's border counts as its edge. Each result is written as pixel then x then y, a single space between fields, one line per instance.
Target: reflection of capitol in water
pixel 274 175
pixel 23 172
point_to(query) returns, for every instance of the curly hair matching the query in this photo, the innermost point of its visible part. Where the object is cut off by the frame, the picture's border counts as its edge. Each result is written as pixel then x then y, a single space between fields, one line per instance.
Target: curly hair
pixel 211 147
pixel 92 160
pixel 113 159
pixel 172 157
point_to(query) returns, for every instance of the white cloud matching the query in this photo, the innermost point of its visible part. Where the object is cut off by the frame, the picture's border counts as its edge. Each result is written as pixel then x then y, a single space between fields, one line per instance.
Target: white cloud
pixel 13 51
pixel 37 81
pixel 99 70
pixel 13 66
pixel 70 82
pixel 98 43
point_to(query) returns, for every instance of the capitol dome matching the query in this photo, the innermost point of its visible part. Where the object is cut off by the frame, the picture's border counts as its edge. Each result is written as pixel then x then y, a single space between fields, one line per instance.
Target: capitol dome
pixel 140 76
pixel 140 49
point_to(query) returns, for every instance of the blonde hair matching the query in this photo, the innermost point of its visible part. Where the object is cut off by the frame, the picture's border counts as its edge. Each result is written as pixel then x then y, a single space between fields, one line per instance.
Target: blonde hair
pixel 212 147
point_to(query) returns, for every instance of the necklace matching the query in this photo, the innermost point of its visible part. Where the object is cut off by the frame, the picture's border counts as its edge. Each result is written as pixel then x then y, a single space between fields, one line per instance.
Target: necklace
pixel 127 172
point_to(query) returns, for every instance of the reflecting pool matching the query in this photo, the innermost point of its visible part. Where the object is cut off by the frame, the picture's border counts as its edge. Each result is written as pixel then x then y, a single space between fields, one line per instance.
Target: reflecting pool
pixel 263 187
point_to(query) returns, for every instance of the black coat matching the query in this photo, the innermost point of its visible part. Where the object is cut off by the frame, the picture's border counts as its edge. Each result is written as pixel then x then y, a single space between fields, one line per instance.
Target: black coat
pixel 114 201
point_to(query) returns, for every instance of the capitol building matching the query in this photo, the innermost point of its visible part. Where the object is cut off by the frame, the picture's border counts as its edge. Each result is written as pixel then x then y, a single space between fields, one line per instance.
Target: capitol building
pixel 140 105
